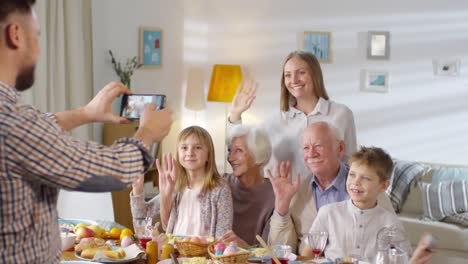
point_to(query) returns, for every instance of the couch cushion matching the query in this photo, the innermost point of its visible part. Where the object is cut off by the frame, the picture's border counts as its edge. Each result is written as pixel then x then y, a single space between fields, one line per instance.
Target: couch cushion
pixel 449 236
pixel 459 219
pixel 405 173
pixel 444 199
pixel 442 174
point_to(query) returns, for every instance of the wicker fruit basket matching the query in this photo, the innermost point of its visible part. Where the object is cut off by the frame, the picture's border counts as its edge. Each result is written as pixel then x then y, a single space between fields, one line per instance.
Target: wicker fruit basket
pixel 192 249
pixel 237 258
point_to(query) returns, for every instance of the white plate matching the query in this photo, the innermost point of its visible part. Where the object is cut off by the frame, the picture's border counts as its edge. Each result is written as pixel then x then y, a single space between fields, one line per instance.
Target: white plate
pixel 169 261
pixel 76 262
pixel 110 260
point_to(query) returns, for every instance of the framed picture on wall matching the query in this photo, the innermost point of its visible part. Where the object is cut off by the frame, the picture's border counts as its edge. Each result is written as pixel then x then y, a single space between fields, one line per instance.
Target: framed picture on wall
pixel 446 67
pixel 375 81
pixel 150 47
pixel 319 43
pixel 378 45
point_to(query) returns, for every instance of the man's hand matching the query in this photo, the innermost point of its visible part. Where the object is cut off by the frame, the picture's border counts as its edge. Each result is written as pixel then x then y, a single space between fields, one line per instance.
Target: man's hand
pixel 100 108
pixel 243 99
pixel 283 187
pixel 154 124
pixel 230 236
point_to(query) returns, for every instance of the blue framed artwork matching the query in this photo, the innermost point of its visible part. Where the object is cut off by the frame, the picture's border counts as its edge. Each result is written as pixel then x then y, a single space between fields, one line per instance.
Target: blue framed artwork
pixel 319 44
pixel 150 53
pixel 375 81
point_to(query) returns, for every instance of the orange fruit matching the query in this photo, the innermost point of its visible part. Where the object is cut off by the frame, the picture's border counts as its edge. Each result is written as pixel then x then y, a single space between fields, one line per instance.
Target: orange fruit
pixel 126 232
pixel 114 233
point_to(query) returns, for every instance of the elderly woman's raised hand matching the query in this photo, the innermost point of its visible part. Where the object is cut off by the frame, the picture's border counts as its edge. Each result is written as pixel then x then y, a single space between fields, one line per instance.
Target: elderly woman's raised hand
pixel 283 187
pixel 243 99
pixel 230 236
pixel 167 175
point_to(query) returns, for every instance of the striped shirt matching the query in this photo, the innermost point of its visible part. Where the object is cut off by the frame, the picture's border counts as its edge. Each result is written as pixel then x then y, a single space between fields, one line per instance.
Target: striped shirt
pixel 37 158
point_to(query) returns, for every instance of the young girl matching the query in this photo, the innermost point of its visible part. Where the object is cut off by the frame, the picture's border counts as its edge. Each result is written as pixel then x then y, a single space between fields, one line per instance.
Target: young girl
pixel 193 199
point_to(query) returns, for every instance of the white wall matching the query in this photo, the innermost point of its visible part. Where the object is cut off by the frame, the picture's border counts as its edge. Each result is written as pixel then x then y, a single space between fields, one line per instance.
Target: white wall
pixel 424 117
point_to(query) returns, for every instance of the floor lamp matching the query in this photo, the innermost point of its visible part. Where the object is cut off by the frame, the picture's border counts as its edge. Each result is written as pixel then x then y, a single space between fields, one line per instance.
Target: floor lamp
pixel 223 85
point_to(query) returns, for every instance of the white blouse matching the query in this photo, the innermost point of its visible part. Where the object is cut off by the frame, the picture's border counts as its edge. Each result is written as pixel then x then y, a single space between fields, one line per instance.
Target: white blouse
pixel 285 132
pixel 189 221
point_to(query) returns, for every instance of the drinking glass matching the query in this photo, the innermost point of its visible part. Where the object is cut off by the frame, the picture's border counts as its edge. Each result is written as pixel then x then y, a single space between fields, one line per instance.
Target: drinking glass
pixel 282 252
pixel 317 241
pixel 143 229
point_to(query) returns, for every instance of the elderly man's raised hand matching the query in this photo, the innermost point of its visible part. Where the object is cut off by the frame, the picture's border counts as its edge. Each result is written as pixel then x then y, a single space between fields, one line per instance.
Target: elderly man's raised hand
pixel 283 187
pixel 243 99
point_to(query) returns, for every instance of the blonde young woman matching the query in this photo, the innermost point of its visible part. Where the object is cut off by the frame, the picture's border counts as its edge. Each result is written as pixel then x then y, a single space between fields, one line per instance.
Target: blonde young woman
pixel 304 100
pixel 193 199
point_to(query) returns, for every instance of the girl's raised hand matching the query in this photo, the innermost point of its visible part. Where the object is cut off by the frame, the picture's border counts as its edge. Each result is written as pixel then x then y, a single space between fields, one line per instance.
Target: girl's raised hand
pixel 137 186
pixel 167 174
pixel 243 99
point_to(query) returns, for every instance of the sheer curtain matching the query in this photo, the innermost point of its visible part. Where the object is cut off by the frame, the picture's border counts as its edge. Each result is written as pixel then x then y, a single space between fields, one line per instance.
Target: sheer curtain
pixel 64 74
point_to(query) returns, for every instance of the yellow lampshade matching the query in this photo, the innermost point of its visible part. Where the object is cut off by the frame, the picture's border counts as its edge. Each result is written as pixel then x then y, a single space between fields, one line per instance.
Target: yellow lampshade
pixel 224 82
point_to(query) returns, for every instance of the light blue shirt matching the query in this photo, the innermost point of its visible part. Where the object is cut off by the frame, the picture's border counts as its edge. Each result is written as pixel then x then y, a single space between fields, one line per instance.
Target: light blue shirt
pixel 335 192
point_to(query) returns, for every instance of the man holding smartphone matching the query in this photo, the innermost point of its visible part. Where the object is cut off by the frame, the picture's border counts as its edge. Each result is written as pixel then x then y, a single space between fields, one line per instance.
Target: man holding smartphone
pixel 38 157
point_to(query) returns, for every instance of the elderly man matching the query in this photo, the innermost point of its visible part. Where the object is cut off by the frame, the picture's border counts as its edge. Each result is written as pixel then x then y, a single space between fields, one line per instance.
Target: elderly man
pixel 296 205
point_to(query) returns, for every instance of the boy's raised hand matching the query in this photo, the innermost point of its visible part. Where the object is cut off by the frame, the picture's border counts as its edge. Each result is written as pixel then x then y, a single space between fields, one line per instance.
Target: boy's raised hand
pixel 283 187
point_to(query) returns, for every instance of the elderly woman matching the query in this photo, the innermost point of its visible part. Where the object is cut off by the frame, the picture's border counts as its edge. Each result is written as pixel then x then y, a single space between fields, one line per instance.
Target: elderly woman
pixel 249 151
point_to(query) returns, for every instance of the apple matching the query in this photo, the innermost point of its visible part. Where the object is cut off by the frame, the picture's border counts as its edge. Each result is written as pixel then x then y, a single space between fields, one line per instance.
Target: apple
pixel 98 231
pixel 77 226
pixel 83 231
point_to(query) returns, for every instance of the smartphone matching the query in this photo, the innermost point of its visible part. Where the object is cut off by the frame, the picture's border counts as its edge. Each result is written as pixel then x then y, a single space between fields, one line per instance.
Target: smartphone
pixel 133 105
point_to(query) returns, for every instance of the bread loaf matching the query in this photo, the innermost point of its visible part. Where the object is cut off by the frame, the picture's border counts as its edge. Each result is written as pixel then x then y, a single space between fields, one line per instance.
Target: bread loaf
pixel 89 253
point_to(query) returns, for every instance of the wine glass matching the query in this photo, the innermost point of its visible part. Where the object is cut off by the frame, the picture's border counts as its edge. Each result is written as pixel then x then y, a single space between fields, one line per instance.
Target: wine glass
pixel 317 241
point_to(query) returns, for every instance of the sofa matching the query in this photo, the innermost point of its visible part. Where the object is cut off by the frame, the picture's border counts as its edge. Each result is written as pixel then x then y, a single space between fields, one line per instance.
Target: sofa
pixel 417 191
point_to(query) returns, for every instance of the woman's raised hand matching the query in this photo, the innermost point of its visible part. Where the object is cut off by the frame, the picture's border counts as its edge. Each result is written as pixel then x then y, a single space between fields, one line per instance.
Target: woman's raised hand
pixel 243 99
pixel 283 187
pixel 167 174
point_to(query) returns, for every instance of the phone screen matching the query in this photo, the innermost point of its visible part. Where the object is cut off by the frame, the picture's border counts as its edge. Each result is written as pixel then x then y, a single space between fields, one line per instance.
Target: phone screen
pixel 133 105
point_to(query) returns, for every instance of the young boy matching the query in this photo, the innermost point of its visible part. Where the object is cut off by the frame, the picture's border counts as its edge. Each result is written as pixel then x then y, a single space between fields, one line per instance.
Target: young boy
pixel 353 224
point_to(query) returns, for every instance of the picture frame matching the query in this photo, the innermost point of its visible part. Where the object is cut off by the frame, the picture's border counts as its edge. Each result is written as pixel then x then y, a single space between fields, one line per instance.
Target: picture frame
pixel 319 44
pixel 446 67
pixel 150 47
pixel 378 45
pixel 375 81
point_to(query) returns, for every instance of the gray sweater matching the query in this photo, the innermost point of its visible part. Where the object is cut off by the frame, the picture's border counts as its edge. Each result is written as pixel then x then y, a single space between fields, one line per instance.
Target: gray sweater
pixel 252 209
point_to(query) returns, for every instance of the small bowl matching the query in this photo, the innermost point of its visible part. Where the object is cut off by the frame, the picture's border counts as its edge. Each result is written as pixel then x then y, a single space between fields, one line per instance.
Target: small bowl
pixel 347 260
pixel 68 240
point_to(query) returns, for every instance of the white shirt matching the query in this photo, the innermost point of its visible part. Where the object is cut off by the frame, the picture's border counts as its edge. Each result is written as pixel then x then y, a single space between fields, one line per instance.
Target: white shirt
pixel 352 231
pixel 189 221
pixel 285 132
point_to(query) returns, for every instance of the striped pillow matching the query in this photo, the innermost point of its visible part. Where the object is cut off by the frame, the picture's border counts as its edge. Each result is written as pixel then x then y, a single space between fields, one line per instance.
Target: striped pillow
pixel 460 219
pixel 444 199
pixel 404 174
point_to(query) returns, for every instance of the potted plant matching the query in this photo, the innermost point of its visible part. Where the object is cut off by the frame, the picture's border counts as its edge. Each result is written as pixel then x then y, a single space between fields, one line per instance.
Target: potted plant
pixel 126 71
